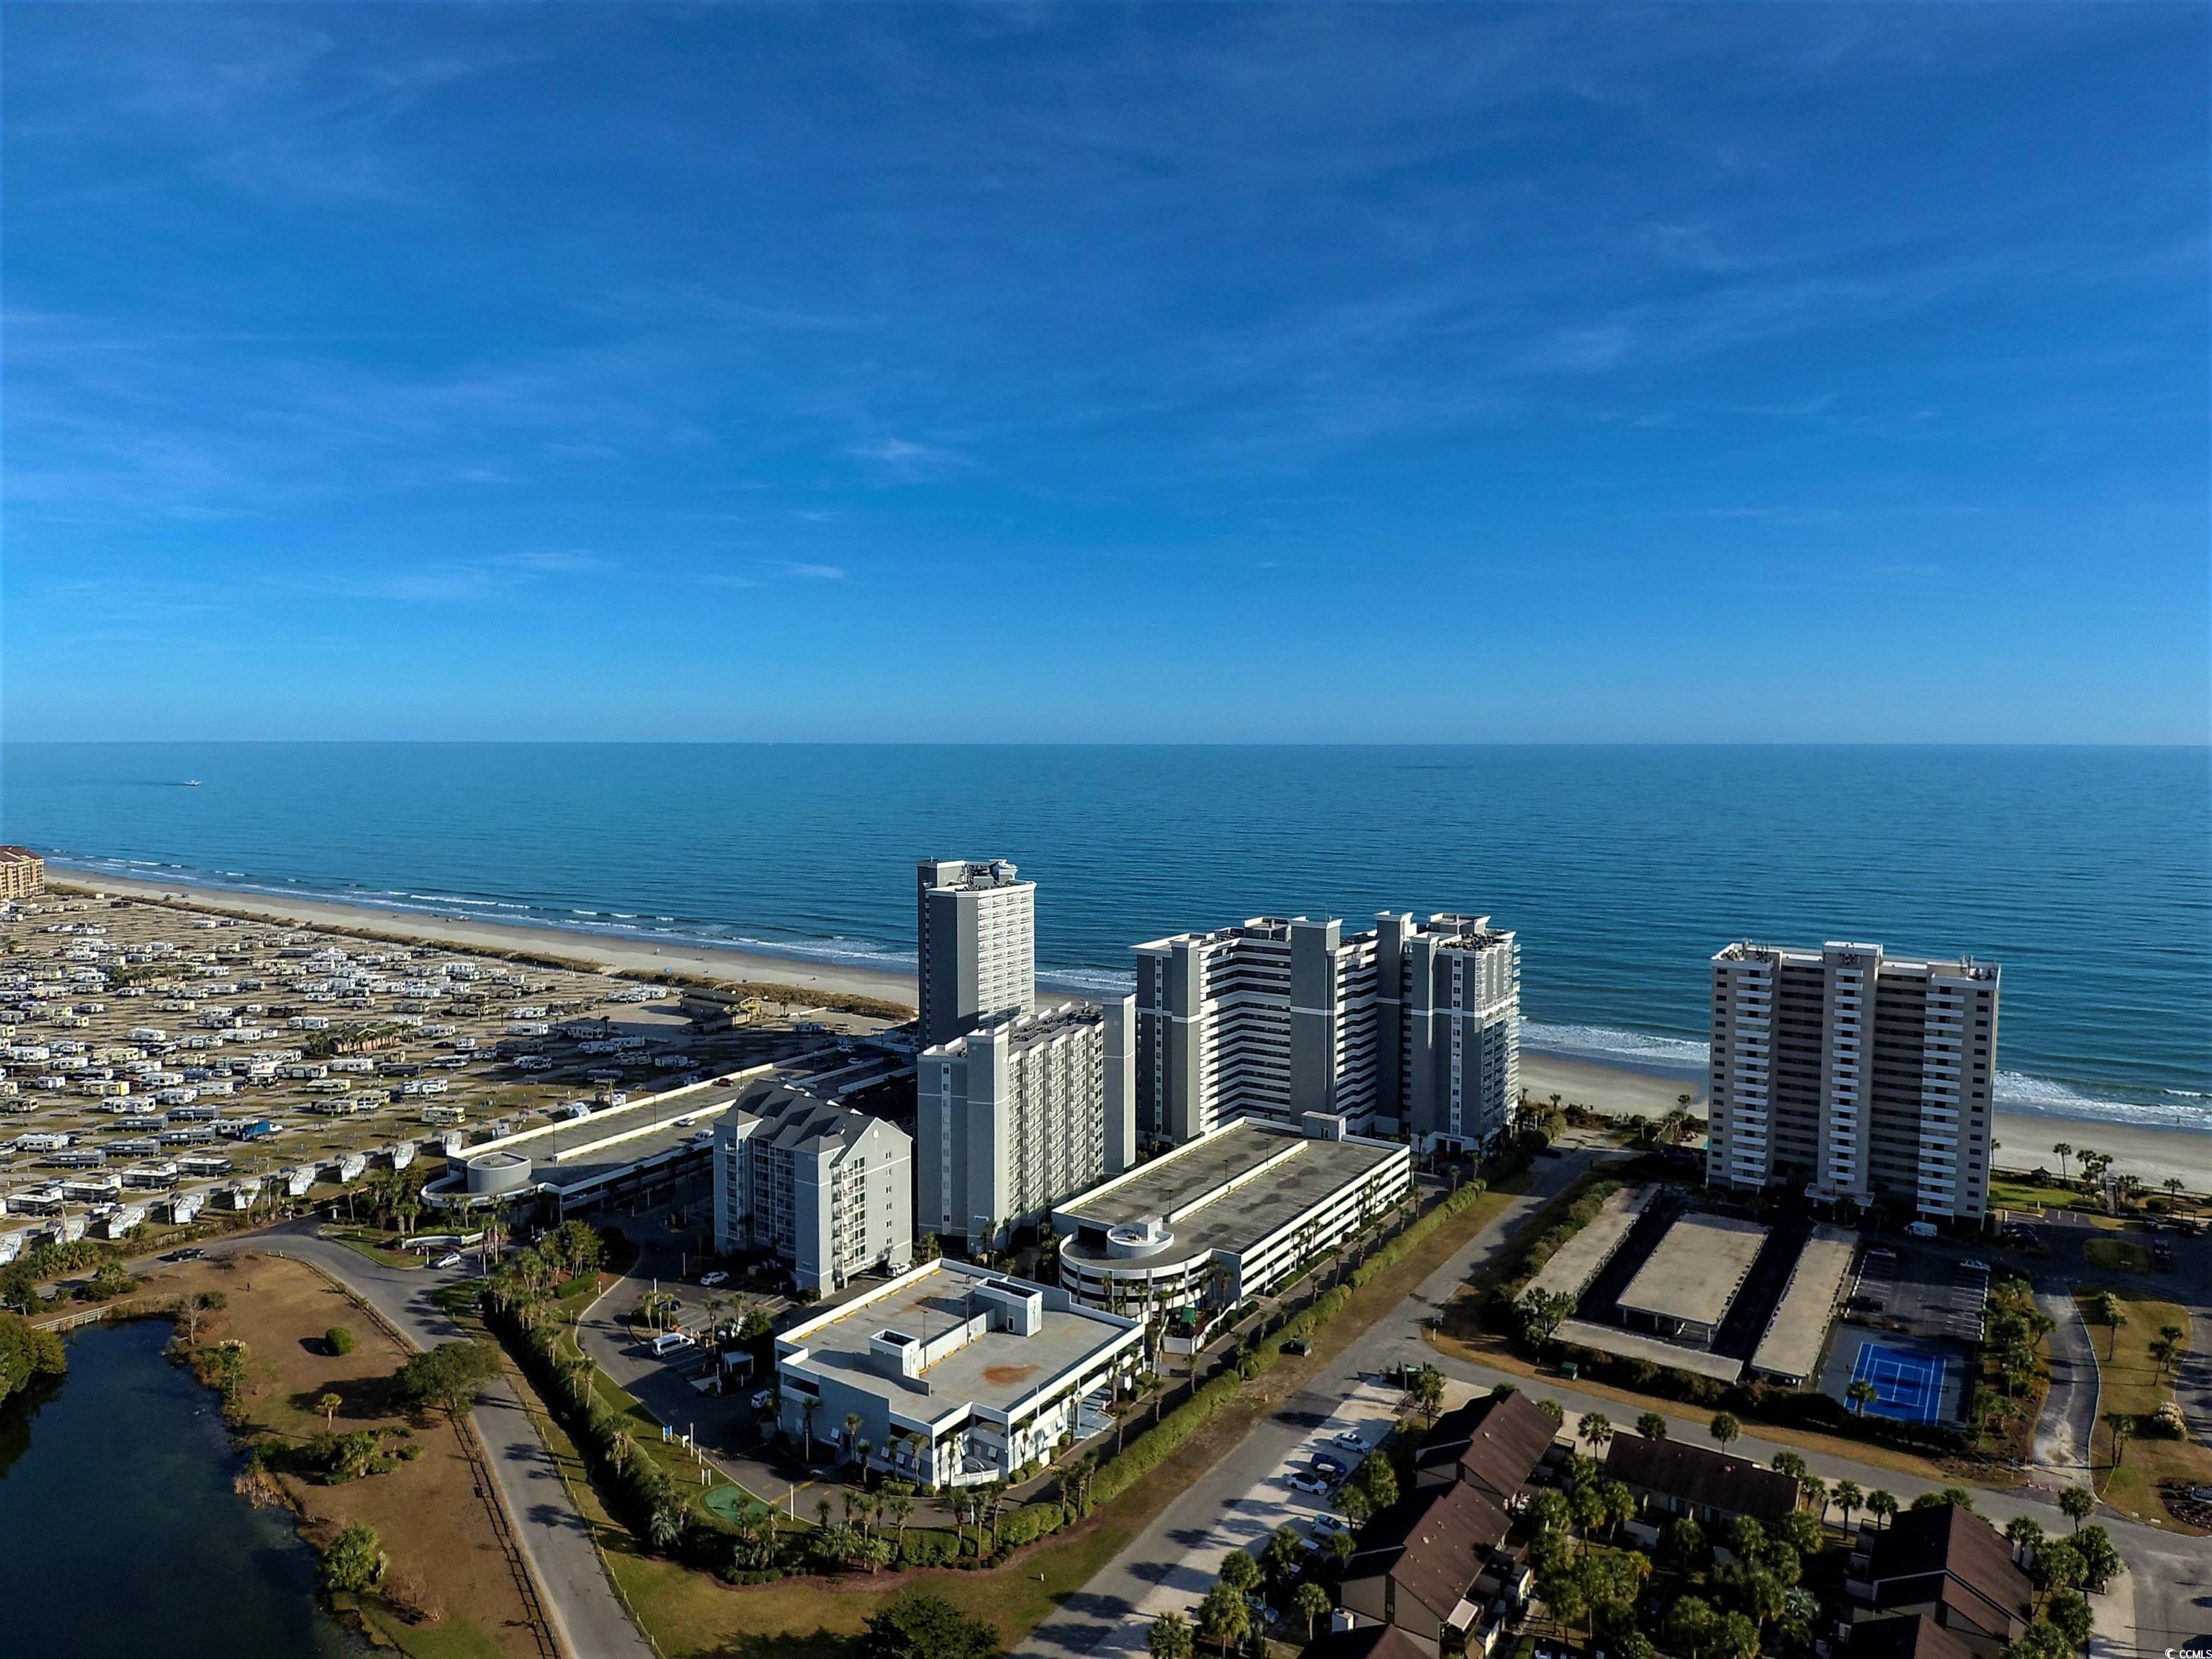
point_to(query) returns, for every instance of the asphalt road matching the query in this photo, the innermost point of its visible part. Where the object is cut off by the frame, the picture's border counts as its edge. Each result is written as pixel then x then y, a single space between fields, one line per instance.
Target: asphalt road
pixel 1228 1506
pixel 589 1620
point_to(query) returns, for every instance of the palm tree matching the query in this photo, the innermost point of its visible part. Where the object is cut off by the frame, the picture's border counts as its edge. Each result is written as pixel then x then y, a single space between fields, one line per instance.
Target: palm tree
pixel 1168 1637
pixel 665 1527
pixel 2065 1149
pixel 806 1410
pixel 1862 1394
pixel 2122 1425
pixel 1880 1505
pixel 2077 1505
pixel 1848 1498
pixel 2022 1533
pixel 901 1507
pixel 1651 1425
pixel 1313 1601
pixel 1595 1430
pixel 1724 1429
pixel 2109 1309
pixel 2173 1184
pixel 328 1406
pixel 1816 1494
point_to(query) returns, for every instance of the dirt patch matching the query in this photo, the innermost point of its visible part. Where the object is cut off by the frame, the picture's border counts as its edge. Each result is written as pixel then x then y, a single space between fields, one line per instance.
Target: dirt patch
pixel 430 1512
pixel 1007 1376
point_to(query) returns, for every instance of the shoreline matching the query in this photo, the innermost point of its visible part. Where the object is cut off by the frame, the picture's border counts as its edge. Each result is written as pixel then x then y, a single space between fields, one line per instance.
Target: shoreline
pixel 1619 1088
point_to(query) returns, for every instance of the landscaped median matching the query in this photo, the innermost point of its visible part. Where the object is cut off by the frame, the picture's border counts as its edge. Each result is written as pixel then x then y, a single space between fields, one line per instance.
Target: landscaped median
pixel 2144 1462
pixel 679 1583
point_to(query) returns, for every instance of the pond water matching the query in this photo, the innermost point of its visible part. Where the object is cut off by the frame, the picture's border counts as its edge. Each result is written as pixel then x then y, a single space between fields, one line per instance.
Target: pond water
pixel 119 1533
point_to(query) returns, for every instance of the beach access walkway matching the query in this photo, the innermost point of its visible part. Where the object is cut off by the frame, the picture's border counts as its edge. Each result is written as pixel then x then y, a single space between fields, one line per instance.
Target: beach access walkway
pixel 588 1618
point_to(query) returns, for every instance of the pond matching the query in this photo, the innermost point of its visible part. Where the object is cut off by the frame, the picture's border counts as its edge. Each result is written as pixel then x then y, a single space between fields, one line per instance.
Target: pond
pixel 119 1532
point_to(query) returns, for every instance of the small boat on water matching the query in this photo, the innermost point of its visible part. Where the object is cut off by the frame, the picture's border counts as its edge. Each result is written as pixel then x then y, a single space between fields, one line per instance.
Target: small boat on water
pixel 191 783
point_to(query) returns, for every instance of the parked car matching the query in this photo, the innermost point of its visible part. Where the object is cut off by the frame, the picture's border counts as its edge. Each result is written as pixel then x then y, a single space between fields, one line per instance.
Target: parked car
pixel 451 1259
pixel 710 1280
pixel 763 1399
pixel 669 1341
pixel 1920 1230
pixel 193 1254
pixel 1302 1481
pixel 1335 1468
pixel 1326 1523
pixel 1975 1264
pixel 1350 1440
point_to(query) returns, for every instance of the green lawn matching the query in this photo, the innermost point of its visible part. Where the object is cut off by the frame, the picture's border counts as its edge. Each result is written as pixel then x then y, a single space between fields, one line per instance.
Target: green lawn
pixel 2022 1193
pixel 2117 1255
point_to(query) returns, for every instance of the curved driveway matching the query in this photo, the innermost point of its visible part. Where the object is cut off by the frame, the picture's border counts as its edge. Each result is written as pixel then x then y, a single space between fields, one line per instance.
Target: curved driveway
pixel 589 1620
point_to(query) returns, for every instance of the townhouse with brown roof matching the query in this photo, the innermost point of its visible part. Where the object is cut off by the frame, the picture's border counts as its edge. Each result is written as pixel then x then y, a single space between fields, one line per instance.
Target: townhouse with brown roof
pixel 1492 1444
pixel 1707 1486
pixel 1905 1635
pixel 1419 1560
pixel 1947 1565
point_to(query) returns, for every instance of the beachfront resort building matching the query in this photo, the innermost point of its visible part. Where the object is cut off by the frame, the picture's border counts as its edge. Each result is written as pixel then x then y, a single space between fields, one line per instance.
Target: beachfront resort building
pixel 974 923
pixel 1857 1075
pixel 958 1375
pixel 1226 1216
pixel 22 872
pixel 1023 1111
pixel 823 1188
pixel 1411 1027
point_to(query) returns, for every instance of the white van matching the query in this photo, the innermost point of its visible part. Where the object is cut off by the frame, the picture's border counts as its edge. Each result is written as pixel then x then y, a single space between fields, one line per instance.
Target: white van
pixel 668 1341
pixel 1920 1229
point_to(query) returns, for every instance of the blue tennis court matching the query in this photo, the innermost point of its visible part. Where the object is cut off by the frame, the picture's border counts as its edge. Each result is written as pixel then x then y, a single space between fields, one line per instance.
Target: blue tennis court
pixel 1908 1386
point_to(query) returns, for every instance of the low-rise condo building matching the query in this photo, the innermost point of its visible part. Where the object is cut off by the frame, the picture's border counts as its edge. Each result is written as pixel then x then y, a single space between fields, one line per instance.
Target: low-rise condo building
pixel 1018 1114
pixel 958 1375
pixel 824 1188
pixel 22 872
pixel 1226 1217
pixel 1854 1075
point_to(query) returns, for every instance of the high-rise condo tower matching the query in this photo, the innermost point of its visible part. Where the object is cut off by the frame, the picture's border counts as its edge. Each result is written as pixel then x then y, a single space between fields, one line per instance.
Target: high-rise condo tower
pixel 975 936
pixel 1854 1075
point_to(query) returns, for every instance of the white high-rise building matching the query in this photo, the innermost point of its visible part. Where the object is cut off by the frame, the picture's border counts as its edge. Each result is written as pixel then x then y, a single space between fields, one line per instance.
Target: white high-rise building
pixel 828 1189
pixel 1020 1113
pixel 1412 1027
pixel 975 942
pixel 1855 1075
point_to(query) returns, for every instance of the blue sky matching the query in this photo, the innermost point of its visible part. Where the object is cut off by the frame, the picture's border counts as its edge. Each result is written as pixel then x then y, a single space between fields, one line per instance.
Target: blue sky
pixel 1363 373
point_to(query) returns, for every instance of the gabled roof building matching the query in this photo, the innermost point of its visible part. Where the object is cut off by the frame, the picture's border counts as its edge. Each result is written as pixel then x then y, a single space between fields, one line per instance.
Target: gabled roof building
pixel 1493 1444
pixel 828 1190
pixel 1947 1565
pixel 1707 1486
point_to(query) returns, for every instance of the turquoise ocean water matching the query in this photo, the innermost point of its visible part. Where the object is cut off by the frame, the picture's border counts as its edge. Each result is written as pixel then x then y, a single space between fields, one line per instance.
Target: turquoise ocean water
pixel 2086 872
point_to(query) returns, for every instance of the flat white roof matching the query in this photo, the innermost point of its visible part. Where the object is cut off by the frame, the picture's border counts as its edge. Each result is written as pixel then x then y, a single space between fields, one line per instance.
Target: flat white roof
pixel 1791 1346
pixel 1697 1270
pixel 1632 1345
pixel 1578 1262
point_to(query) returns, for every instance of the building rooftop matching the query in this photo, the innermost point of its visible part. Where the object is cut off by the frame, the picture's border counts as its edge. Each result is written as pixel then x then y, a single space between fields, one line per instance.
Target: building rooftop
pixel 1794 1335
pixel 1026 1028
pixel 1905 1635
pixel 981 875
pixel 1494 1444
pixel 1634 1344
pixel 1705 1479
pixel 1696 1269
pixel 995 1369
pixel 1576 1262
pixel 1224 1191
pixel 1950 1540
pixel 1434 1543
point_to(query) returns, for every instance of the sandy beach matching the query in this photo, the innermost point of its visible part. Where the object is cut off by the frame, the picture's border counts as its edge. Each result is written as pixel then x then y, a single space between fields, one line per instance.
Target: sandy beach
pixel 608 953
pixel 2024 1140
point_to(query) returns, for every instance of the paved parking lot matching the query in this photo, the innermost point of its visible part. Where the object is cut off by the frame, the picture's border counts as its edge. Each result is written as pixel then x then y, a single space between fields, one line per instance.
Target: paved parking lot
pixel 1246 1522
pixel 1917 1305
